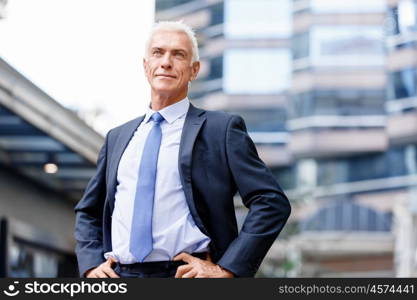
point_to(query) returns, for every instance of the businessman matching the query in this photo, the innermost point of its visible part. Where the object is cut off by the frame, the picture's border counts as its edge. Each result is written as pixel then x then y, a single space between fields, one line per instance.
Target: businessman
pixel 161 201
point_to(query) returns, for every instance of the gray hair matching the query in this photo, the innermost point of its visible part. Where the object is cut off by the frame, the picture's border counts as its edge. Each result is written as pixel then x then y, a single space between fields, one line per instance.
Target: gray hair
pixel 179 26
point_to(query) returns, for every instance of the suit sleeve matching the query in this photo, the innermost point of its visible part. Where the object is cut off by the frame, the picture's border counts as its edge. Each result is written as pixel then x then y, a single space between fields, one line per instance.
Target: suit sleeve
pixel 268 206
pixel 89 214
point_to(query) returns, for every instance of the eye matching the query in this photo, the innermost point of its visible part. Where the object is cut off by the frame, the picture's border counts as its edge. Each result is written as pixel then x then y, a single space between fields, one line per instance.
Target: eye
pixel 156 52
pixel 180 54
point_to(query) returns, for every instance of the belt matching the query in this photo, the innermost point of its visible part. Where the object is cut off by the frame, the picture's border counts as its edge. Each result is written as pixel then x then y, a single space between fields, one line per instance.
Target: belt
pixel 155 266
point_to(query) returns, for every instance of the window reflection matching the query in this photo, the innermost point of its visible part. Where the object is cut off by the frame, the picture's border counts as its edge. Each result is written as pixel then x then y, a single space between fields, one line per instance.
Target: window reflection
pixel 301 45
pixel 216 68
pixel 256 71
pixel 338 102
pixel 268 18
pixel 402 19
pixel 402 84
pixel 166 4
pixel 285 176
pixel 340 45
pixel 264 120
pixel 351 6
pixel 347 45
pixel 407 16
pixel 364 167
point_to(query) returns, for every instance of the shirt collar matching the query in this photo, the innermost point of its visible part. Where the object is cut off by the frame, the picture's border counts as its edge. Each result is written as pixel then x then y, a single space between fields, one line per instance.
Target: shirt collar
pixel 171 112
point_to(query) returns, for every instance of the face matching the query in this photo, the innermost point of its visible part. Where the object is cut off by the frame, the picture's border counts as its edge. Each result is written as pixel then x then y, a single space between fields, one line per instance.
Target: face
pixel 168 63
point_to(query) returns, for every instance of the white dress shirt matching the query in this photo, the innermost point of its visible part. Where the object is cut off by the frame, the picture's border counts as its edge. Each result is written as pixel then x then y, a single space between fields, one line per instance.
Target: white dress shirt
pixel 173 228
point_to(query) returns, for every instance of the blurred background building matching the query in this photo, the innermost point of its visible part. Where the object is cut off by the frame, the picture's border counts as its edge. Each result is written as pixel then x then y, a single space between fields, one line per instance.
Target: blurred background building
pixel 47 156
pixel 401 109
pixel 328 90
pixel 337 136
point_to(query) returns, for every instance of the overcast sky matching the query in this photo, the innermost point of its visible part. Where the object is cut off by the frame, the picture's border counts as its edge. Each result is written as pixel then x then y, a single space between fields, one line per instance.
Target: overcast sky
pixel 83 53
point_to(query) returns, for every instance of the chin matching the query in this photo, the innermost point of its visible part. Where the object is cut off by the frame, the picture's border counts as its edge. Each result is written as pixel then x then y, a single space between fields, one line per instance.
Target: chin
pixel 164 89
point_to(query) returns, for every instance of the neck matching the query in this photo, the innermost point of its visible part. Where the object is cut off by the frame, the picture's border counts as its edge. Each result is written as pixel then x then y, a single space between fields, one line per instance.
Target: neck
pixel 161 100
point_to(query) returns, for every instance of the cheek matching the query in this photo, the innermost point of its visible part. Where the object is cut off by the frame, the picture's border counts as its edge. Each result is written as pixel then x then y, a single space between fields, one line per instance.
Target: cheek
pixel 185 74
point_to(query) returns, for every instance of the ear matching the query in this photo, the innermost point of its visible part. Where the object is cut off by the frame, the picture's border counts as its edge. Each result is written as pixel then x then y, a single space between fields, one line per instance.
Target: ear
pixel 195 68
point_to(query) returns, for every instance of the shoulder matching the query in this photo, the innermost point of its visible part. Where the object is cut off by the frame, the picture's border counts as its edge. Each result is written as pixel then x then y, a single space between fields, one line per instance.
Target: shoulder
pixel 219 117
pixel 226 121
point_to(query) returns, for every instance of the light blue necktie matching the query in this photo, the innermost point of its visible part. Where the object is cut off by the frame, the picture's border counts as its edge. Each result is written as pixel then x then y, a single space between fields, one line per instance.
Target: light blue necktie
pixel 141 243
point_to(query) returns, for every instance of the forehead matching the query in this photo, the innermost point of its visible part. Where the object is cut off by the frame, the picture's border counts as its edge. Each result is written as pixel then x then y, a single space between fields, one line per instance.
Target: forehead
pixel 170 40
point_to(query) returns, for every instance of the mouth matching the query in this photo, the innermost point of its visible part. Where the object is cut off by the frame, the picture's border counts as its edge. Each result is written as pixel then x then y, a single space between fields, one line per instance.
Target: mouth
pixel 165 76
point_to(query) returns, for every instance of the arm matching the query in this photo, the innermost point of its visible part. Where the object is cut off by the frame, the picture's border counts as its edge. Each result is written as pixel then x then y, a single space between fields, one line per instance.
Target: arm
pixel 89 214
pixel 269 208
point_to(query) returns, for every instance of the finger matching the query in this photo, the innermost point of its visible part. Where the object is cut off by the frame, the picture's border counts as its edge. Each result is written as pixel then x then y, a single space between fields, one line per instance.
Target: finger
pixel 92 274
pixel 111 260
pixel 182 270
pixel 185 257
pixel 209 257
pixel 110 273
pixel 110 263
pixel 190 274
pixel 101 274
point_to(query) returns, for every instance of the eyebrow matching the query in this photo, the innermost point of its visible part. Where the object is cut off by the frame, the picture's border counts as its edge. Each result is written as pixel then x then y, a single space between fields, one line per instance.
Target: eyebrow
pixel 173 50
pixel 180 50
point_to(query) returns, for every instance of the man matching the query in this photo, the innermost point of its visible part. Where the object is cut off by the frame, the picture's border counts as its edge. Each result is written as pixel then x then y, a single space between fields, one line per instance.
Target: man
pixel 161 202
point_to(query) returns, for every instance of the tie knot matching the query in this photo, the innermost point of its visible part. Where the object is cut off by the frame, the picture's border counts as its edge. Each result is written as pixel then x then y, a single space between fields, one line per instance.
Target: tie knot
pixel 157 118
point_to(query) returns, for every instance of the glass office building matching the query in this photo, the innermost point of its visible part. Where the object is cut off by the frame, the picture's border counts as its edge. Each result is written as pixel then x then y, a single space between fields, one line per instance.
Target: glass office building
pixel 401 107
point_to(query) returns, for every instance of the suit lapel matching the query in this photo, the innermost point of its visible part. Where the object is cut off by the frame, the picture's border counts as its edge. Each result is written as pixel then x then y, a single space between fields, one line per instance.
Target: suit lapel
pixel 194 120
pixel 125 135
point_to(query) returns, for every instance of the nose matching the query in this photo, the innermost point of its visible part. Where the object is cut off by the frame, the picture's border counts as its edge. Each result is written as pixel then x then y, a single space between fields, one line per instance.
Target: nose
pixel 166 62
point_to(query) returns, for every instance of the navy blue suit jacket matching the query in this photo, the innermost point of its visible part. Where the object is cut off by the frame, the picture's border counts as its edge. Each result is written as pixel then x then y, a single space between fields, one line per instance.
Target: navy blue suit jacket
pixel 217 158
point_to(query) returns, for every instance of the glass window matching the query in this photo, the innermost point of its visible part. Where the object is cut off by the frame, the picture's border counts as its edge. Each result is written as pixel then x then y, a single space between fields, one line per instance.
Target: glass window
pixel 407 16
pixel 391 22
pixel 216 68
pixel 256 71
pixel 351 6
pixel 302 105
pixel 300 45
pixel 346 45
pixel 345 215
pixel 285 177
pixel 332 172
pixel 338 102
pixel 364 167
pixel 402 19
pixel 367 167
pixel 388 164
pixel 217 14
pixel 166 4
pixel 402 84
pixel 257 19
pixel 264 120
